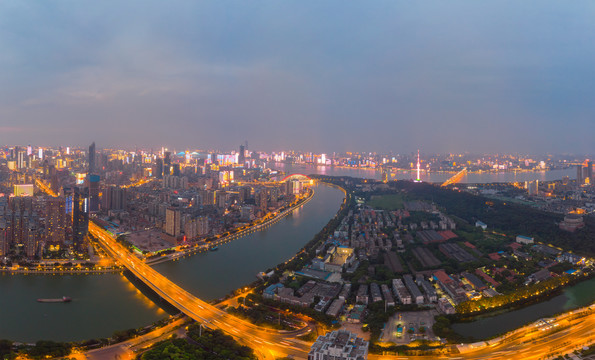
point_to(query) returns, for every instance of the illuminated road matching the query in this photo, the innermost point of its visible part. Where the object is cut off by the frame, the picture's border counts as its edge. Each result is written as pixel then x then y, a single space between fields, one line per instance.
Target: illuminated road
pixel 529 342
pixel 456 178
pixel 267 342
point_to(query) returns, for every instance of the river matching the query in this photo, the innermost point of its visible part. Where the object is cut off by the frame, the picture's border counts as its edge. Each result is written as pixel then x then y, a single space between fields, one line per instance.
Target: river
pixel 105 303
pixel 432 177
pixel 576 296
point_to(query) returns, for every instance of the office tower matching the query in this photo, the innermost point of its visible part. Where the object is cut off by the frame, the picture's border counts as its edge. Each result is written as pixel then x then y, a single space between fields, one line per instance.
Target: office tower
pixel 158 170
pixel 22 159
pixel 167 163
pixel 242 156
pixel 579 175
pixel 92 158
pixel 590 172
pixel 94 192
pixel 173 222
pixel 80 217
pixel 55 220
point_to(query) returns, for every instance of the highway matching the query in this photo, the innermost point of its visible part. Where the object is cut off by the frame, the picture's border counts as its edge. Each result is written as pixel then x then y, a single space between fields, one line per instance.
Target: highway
pixel 267 342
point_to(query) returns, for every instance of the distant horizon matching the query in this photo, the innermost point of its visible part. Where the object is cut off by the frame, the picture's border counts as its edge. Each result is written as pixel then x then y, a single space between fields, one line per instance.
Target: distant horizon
pixel 230 149
pixel 448 77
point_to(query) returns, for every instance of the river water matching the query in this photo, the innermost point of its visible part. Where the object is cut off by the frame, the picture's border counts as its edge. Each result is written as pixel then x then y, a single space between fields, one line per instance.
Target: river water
pixel 576 296
pixel 105 303
pixel 432 177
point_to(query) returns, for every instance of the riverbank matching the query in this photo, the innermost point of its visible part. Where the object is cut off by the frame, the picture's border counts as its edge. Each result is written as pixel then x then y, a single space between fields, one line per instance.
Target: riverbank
pixel 37 271
pixel 234 236
pixel 492 325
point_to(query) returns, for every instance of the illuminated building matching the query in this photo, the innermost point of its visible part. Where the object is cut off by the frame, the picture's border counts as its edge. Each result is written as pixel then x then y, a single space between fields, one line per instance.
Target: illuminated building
pixel 22 159
pixel 80 217
pixel 196 227
pixel 94 192
pixel 55 220
pixel 158 170
pixel 23 190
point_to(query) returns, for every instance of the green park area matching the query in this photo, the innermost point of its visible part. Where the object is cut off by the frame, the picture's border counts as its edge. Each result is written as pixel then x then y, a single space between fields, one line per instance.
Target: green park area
pixel 387 201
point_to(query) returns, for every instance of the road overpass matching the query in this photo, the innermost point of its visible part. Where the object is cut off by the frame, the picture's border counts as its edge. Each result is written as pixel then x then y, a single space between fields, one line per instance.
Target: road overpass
pixel 264 340
pixel 456 178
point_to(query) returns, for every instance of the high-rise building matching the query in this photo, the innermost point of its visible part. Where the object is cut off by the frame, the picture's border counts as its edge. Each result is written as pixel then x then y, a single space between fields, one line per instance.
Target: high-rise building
pixel 173 222
pixel 579 175
pixel 590 172
pixel 4 240
pixel 22 159
pixel 80 217
pixel 114 198
pixel 92 158
pixel 158 170
pixel 55 220
pixel 31 239
pixel 94 192
pixel 242 155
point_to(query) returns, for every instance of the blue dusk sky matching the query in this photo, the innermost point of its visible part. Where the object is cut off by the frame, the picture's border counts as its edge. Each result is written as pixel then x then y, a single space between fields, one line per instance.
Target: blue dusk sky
pixel 443 76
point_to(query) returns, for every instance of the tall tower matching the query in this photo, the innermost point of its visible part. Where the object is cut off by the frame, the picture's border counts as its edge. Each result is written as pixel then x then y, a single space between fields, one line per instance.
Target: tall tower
pixel 92 158
pixel 242 155
pixel 418 179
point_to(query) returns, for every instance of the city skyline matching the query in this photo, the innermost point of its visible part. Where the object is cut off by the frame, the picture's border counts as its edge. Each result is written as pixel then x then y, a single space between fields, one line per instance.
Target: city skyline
pixel 375 77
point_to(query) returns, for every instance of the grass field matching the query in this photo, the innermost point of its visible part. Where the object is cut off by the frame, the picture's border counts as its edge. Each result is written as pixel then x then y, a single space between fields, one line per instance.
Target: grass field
pixel 387 202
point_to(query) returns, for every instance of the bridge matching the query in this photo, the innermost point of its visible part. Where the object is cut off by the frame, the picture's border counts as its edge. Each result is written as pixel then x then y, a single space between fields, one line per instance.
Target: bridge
pixel 456 178
pixel 268 343
pixel 268 340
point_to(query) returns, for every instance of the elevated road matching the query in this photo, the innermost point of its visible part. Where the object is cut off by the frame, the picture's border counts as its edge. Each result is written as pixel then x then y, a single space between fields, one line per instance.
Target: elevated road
pixel 265 341
pixel 456 178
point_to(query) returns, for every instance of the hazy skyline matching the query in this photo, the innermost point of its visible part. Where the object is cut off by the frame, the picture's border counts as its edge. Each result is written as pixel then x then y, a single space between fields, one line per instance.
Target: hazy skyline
pixel 322 76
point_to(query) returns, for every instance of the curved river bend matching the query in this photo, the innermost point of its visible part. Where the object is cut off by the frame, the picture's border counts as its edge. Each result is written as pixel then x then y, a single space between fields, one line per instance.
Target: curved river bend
pixel 105 303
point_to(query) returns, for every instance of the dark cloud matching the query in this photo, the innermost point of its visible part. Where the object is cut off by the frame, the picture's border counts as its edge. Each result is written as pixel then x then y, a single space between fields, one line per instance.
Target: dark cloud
pixel 321 76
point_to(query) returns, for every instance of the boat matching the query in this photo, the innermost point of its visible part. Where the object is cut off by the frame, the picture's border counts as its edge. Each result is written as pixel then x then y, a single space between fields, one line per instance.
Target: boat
pixel 64 299
pixel 214 248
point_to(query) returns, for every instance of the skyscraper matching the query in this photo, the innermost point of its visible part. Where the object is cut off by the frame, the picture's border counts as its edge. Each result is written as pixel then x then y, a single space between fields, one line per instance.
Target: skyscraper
pixel 55 220
pixel 80 217
pixel 242 155
pixel 94 192
pixel 590 172
pixel 92 158
pixel 173 222
pixel 579 175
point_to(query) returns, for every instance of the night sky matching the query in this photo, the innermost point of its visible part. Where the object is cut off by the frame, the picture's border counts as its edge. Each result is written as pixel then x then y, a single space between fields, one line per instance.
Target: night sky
pixel 443 76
